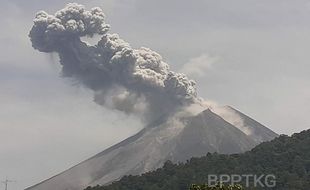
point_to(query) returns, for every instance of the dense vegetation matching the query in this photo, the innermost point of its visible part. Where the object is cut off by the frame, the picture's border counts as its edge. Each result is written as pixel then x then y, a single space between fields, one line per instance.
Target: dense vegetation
pixel 218 186
pixel 215 187
pixel 288 158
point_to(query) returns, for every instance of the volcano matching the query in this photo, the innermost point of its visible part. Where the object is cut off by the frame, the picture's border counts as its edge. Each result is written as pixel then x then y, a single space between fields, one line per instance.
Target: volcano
pixel 175 140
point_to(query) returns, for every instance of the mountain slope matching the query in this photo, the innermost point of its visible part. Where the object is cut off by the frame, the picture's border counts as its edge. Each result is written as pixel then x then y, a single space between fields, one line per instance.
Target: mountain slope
pixel 257 131
pixel 208 132
pixel 287 158
pixel 149 149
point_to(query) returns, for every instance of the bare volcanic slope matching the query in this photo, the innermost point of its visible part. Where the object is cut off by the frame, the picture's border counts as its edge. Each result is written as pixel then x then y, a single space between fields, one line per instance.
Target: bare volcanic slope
pixel 257 131
pixel 175 140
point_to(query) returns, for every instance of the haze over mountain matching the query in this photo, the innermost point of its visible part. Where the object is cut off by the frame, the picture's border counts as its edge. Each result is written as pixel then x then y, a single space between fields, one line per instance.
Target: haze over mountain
pixel 175 140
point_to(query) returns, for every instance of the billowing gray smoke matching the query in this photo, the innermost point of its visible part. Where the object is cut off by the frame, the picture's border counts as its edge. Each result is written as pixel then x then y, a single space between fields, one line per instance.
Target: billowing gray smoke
pixel 135 81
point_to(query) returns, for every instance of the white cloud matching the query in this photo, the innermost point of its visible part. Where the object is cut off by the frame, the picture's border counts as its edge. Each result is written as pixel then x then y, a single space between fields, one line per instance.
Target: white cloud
pixel 199 66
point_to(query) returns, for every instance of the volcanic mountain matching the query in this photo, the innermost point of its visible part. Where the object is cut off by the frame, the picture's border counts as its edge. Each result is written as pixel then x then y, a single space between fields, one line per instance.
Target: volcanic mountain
pixel 175 140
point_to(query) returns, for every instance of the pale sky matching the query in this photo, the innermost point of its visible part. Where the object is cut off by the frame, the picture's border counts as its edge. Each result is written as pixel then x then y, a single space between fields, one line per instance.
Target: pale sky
pixel 250 54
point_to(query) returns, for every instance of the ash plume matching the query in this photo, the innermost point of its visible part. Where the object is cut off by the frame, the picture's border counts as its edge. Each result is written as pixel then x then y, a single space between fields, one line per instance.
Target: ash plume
pixel 135 81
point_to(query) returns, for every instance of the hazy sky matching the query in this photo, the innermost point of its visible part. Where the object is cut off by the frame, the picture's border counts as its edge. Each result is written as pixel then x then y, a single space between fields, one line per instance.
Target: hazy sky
pixel 251 54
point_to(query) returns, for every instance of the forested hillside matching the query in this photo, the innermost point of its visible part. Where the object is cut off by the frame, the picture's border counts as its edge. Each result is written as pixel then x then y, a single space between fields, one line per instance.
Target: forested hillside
pixel 288 158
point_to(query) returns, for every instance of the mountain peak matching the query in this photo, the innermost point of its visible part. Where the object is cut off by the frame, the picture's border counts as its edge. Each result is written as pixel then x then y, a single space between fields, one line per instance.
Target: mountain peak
pixel 178 141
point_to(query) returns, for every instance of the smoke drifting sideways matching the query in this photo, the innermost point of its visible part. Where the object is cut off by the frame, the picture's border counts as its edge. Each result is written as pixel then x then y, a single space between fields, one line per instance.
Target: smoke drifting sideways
pixel 134 81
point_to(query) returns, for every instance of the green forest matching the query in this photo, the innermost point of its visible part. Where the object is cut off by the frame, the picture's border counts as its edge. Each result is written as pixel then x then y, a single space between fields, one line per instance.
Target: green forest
pixel 287 158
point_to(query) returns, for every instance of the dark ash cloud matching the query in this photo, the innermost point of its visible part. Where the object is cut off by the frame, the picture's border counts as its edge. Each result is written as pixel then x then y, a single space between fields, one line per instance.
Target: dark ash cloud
pixel 140 76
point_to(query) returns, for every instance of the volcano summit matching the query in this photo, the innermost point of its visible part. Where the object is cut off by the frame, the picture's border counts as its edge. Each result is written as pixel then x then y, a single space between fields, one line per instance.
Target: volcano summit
pixel 137 82
pixel 150 148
